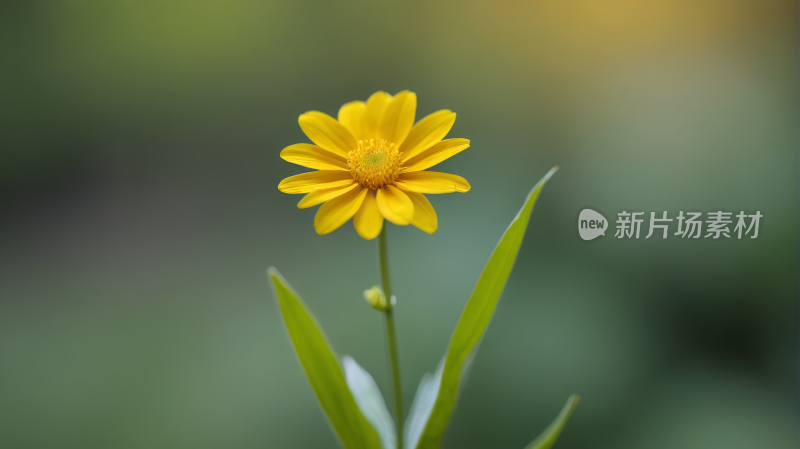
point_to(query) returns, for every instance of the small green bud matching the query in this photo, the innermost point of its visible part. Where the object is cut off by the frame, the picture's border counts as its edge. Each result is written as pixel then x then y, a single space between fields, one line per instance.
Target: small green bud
pixel 377 299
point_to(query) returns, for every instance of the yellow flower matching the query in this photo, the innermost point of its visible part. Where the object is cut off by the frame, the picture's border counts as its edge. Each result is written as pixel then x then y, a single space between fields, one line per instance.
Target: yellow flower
pixel 370 164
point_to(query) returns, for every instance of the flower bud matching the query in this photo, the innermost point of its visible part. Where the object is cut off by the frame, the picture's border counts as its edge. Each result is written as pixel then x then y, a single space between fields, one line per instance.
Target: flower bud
pixel 377 299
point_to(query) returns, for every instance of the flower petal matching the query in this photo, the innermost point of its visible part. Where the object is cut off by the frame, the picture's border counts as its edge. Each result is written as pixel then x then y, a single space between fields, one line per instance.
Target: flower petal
pixel 432 182
pixel 322 179
pixel 337 211
pixel 312 156
pixel 318 196
pixel 368 221
pixel 326 132
pixel 376 106
pixel 398 118
pixel 435 154
pixel 424 214
pixel 395 205
pixel 353 116
pixel 427 132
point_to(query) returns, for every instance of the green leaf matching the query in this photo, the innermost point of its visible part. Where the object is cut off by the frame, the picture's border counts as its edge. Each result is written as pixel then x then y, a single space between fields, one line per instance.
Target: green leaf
pixel 370 400
pixel 474 320
pixel 422 405
pixel 322 369
pixel 551 433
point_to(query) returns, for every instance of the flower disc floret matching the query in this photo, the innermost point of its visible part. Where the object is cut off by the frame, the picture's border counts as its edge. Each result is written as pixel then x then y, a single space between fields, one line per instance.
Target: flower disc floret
pixel 375 164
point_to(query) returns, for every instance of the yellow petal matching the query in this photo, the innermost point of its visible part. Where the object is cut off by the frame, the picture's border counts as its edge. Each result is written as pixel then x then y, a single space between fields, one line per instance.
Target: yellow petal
pixel 432 182
pixel 427 132
pixel 337 211
pixel 326 132
pixel 368 220
pixel 376 105
pixel 424 214
pixel 318 196
pixel 395 205
pixel 398 117
pixel 312 156
pixel 353 116
pixel 322 179
pixel 435 154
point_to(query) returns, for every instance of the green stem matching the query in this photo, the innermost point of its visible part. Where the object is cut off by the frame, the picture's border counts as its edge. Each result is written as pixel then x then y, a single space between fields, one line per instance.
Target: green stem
pixel 391 336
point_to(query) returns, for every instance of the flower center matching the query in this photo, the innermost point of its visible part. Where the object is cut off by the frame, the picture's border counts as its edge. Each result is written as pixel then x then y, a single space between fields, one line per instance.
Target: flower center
pixel 375 163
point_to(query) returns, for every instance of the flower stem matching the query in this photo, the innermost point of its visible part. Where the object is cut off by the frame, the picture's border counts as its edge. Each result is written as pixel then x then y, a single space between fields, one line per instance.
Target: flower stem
pixel 391 336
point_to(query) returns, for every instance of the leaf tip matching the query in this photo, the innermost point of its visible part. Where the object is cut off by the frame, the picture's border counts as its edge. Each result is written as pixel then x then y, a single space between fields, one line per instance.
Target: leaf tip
pixel 574 399
pixel 273 274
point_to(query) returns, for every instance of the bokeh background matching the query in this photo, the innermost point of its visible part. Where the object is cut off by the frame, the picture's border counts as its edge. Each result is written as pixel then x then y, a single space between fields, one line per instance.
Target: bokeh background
pixel 140 210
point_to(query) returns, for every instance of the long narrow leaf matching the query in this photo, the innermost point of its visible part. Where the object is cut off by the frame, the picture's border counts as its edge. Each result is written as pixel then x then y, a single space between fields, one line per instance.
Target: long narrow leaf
pixel 475 318
pixel 422 405
pixel 549 436
pixel 370 400
pixel 322 369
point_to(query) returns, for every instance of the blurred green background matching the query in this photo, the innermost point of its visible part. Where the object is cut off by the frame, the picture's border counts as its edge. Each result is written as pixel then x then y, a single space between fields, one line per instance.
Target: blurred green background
pixel 140 210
